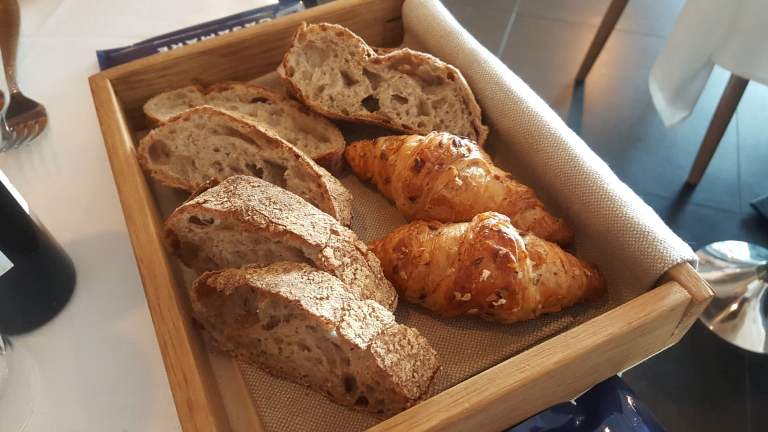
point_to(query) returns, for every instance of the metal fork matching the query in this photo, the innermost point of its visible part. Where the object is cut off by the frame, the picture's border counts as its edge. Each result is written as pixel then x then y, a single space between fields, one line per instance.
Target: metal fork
pixel 25 119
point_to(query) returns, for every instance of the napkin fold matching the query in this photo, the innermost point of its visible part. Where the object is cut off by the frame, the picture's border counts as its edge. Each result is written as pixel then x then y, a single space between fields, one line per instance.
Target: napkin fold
pixel 731 34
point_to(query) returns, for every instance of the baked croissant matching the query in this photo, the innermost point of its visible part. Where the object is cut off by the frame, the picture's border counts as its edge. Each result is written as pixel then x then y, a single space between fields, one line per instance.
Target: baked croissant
pixel 449 179
pixel 484 267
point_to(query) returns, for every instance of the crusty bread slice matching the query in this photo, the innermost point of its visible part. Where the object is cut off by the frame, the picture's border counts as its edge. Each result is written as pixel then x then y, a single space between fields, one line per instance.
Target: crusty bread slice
pixel 303 325
pixel 335 73
pixel 205 142
pixel 245 220
pixel 311 133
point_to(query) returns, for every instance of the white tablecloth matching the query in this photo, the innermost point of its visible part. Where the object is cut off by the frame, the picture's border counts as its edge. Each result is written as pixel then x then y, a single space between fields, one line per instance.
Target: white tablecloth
pixel 729 33
pixel 98 362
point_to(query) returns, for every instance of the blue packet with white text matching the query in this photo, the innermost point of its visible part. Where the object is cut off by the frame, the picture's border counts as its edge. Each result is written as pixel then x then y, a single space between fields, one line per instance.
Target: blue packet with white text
pixel 115 56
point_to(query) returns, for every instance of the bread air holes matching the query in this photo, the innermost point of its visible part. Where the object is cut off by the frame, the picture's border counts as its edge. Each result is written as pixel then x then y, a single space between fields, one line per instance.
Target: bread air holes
pixel 402 100
pixel 271 172
pixel 201 221
pixel 159 152
pixel 231 132
pixel 409 65
pixel 347 78
pixel 350 383
pixel 436 104
pixel 361 401
pixel 373 78
pixel 255 171
pixel 261 100
pixel 425 109
pixel 370 103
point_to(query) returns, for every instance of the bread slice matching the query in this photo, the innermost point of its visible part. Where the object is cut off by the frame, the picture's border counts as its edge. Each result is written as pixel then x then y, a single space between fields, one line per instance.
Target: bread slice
pixel 205 142
pixel 245 220
pixel 311 133
pixel 335 73
pixel 303 325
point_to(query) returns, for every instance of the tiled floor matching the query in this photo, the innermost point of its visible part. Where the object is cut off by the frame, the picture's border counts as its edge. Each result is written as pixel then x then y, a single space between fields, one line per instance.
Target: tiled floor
pixel 702 383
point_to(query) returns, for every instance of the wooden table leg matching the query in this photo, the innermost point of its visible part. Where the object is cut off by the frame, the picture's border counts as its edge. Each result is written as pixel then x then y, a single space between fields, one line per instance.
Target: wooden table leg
pixel 606 28
pixel 717 126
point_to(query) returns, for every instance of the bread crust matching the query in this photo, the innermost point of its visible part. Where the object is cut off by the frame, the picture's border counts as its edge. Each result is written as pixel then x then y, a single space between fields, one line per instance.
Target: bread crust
pixel 381 56
pixel 335 200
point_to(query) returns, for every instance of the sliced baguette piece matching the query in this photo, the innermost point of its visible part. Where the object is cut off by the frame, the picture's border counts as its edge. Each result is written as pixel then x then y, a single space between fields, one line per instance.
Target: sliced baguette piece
pixel 337 74
pixel 303 325
pixel 205 142
pixel 246 220
pixel 311 133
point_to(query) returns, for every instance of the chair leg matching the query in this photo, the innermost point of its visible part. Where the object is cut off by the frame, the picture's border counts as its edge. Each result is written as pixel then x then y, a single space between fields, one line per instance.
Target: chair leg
pixel 717 126
pixel 606 28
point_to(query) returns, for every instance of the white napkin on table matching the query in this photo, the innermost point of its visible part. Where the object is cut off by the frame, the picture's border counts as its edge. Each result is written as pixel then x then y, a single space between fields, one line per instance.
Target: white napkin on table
pixel 732 34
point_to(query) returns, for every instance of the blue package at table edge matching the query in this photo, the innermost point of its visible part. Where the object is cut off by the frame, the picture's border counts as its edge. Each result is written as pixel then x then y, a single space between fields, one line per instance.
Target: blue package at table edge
pixel 116 56
pixel 608 406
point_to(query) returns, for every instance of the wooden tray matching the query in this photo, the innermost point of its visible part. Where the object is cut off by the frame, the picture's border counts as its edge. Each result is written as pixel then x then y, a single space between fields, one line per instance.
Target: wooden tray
pixel 555 370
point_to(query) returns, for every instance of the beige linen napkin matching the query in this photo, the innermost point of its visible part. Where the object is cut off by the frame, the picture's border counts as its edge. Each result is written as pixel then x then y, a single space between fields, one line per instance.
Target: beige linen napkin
pixel 614 227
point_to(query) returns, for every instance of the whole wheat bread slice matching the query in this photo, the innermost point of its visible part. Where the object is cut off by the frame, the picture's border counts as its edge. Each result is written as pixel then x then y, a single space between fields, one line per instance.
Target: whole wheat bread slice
pixel 311 133
pixel 337 74
pixel 303 325
pixel 246 220
pixel 205 142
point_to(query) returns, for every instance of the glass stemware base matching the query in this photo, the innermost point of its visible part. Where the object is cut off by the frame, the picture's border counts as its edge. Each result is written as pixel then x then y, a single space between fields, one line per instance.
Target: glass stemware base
pixel 738 274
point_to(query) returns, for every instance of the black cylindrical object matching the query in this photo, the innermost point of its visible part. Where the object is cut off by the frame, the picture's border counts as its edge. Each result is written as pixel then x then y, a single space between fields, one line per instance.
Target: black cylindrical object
pixel 37 277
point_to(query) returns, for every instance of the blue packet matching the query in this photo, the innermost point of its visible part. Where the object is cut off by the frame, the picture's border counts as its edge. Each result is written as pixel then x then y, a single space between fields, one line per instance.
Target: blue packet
pixel 608 406
pixel 115 56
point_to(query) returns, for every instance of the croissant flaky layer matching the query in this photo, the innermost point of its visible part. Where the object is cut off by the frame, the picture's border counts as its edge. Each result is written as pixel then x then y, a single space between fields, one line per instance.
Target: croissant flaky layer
pixel 449 179
pixel 485 267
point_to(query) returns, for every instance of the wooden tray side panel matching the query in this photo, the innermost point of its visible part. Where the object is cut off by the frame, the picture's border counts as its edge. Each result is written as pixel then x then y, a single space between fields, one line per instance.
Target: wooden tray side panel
pixel 198 403
pixel 553 371
pixel 700 291
pixel 248 53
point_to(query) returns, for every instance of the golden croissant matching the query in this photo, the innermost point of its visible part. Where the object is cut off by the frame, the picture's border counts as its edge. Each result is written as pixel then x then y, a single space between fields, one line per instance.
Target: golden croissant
pixel 449 179
pixel 484 267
